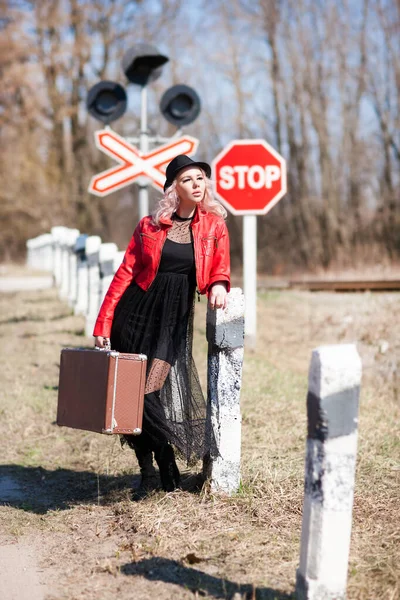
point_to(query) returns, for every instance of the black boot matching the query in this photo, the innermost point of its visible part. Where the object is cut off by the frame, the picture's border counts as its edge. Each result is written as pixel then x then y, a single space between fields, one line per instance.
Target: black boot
pixel 147 470
pixel 169 472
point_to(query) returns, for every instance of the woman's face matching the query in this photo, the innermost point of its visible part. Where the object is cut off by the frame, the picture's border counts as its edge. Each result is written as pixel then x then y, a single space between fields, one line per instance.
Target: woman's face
pixel 190 185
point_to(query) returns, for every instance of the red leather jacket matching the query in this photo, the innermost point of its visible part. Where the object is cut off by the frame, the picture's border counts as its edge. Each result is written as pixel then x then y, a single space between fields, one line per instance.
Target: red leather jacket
pixel 143 255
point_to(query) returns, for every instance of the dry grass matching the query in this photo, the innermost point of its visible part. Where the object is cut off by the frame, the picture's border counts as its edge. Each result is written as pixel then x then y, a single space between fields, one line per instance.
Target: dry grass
pixel 94 542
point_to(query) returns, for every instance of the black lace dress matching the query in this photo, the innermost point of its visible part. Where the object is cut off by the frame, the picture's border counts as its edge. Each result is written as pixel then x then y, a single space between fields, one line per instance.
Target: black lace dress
pixel 159 323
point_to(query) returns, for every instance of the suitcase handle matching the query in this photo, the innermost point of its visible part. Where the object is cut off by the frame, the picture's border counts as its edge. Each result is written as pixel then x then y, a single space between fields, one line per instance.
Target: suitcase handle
pixel 107 346
pixel 127 355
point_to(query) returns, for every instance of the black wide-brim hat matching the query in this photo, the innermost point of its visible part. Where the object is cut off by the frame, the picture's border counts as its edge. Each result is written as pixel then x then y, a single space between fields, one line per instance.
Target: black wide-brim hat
pixel 180 162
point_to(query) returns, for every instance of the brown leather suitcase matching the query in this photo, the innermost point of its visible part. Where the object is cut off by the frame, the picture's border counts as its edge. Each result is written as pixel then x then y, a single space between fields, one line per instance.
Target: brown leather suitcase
pixel 101 390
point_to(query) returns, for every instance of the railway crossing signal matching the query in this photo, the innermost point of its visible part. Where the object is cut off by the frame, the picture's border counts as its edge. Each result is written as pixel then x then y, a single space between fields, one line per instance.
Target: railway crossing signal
pixel 134 164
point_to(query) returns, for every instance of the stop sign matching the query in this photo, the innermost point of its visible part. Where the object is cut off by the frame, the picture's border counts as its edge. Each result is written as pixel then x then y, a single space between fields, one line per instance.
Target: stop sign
pixel 250 177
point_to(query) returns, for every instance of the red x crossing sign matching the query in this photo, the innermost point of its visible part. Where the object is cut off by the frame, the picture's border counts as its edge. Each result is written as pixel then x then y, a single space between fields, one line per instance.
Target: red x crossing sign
pixel 133 164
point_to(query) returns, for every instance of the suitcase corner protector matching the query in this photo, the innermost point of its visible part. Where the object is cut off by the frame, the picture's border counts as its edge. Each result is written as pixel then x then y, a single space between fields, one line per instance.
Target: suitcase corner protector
pixel 107 431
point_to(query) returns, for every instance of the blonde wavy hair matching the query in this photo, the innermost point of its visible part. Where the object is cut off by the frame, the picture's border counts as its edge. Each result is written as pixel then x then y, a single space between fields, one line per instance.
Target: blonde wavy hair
pixel 170 202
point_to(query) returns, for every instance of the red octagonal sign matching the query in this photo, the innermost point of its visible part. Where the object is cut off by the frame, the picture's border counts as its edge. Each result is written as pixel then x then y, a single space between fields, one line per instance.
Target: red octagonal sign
pixel 250 177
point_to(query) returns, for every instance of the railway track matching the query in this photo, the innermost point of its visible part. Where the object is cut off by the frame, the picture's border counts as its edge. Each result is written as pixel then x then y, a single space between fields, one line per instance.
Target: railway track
pixel 319 285
pixel 372 285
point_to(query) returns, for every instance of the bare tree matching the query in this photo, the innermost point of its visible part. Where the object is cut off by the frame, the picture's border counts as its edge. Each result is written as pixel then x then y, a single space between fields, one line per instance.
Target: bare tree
pixel 320 81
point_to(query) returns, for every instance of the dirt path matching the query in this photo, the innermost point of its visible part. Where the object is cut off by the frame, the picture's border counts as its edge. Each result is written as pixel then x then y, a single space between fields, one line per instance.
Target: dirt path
pixel 15 278
pixel 16 284
pixel 70 529
pixel 21 577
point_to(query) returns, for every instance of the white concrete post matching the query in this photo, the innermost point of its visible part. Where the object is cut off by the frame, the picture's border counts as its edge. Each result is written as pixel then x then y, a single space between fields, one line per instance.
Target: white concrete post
pixel 68 240
pixel 118 258
pixel 31 246
pixel 93 244
pixel 106 258
pixel 40 253
pixel 63 290
pixel 332 407
pixel 82 276
pixel 69 287
pixel 46 252
pixel 72 270
pixel 107 274
pixel 57 233
pixel 30 252
pixel 225 335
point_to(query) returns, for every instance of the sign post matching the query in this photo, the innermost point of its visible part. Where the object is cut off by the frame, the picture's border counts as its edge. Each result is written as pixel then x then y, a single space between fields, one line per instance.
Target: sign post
pixel 250 178
pixel 144 147
pixel 250 276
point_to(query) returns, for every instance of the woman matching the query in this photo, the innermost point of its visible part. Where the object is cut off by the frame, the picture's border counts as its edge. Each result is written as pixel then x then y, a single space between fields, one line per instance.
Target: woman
pixel 149 306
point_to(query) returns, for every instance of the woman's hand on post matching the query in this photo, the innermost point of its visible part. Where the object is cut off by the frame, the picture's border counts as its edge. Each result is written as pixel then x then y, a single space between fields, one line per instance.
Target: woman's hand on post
pixel 101 342
pixel 218 296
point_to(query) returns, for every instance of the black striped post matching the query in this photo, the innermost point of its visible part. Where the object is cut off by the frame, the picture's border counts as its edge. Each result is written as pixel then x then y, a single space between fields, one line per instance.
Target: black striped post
pixel 332 408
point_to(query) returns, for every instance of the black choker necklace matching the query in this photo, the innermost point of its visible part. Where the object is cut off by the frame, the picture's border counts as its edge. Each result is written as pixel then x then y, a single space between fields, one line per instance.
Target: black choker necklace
pixel 178 218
